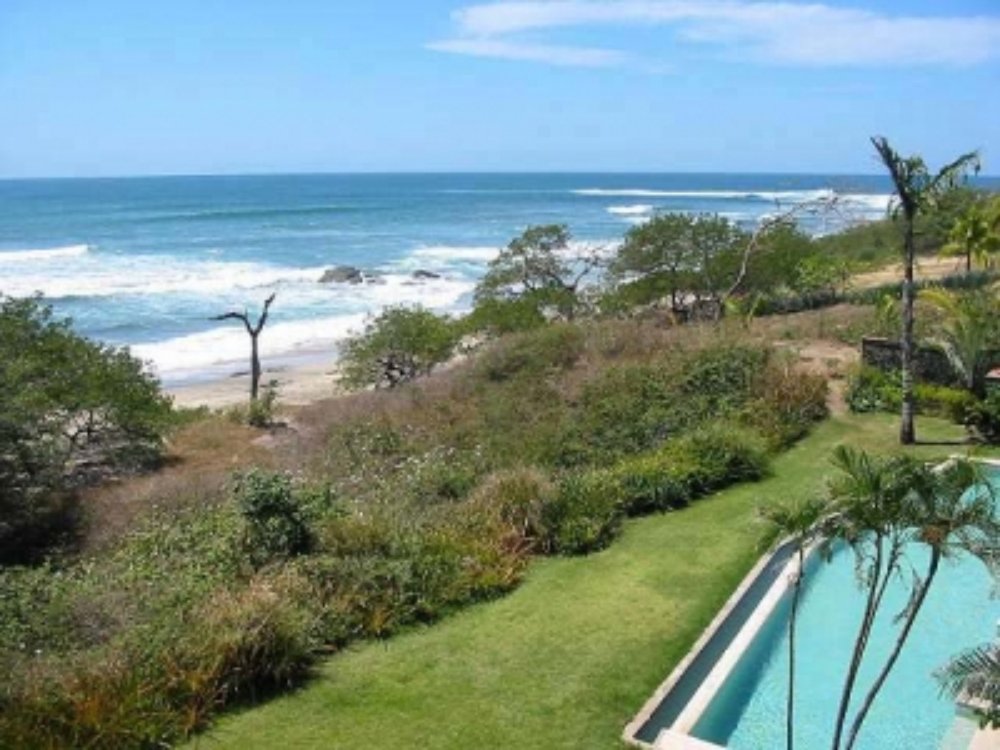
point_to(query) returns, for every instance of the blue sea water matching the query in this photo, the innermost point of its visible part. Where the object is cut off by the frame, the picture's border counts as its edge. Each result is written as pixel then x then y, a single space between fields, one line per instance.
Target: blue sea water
pixel 148 261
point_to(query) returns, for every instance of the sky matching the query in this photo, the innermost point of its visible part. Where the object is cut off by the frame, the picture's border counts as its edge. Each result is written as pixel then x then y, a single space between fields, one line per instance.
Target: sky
pixel 118 87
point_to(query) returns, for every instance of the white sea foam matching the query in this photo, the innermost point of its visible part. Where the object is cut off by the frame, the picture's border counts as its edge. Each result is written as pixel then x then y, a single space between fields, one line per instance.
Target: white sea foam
pixel 104 276
pixel 224 348
pixel 636 210
pixel 792 196
pixel 43 254
pixel 451 253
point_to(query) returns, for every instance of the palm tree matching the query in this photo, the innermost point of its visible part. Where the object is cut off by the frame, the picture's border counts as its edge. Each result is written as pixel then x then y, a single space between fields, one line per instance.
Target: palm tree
pixel 867 500
pixel 916 190
pixel 969 333
pixel 975 674
pixel 797 524
pixel 975 236
pixel 948 512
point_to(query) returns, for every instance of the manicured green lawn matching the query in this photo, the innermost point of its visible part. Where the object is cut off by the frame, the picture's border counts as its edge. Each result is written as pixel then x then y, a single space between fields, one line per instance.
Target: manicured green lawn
pixel 568 658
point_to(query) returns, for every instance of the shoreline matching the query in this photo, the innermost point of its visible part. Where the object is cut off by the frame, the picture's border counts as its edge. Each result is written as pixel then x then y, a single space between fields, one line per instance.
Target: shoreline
pixel 301 380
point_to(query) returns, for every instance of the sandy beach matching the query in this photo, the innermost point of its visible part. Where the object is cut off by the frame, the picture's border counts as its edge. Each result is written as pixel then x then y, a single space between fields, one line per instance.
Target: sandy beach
pixel 299 383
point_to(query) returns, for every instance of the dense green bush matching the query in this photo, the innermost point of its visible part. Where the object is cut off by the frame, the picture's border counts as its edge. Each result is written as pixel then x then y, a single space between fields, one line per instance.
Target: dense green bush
pixel 396 346
pixel 984 417
pixel 71 410
pixel 585 514
pixel 870 389
pixel 275 525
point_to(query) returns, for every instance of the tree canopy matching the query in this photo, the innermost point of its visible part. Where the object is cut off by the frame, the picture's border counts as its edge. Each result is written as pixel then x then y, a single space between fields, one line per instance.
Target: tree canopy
pixel 70 408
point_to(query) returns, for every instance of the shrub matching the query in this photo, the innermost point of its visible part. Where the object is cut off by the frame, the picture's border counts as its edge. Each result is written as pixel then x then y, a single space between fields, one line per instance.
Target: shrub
pixel 713 457
pixel 397 346
pixel 500 316
pixel 585 514
pixel 71 410
pixel 984 417
pixel 786 404
pixel 870 389
pixel 554 347
pixel 275 526
pixel 517 498
pixel 955 404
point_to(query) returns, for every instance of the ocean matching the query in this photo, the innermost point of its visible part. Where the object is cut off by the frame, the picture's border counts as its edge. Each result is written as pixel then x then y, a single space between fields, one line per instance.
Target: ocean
pixel 147 262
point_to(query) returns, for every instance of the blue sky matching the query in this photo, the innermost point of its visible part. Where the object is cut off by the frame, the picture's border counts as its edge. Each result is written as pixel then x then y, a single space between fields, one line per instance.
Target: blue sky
pixel 118 87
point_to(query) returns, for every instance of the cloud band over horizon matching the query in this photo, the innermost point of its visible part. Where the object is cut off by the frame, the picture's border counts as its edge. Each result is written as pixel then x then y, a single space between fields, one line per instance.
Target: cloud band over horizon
pixel 780 33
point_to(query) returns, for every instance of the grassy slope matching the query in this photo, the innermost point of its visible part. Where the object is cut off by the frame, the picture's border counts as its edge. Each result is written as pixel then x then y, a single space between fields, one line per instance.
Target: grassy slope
pixel 565 660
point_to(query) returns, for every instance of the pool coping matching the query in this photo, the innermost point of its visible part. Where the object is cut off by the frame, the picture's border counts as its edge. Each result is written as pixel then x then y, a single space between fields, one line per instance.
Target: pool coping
pixel 677 736
pixel 679 731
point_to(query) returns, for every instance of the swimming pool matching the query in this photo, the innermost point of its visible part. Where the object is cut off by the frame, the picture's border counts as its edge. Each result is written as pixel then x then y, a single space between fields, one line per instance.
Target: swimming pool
pixel 748 710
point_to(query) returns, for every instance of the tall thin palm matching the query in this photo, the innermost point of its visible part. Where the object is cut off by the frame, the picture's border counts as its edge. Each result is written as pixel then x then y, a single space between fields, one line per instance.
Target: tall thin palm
pixel 948 512
pixel 916 190
pixel 867 499
pixel 797 524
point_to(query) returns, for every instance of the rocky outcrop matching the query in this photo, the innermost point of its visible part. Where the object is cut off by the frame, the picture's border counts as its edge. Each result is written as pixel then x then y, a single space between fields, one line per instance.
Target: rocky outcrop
pixel 422 274
pixel 342 275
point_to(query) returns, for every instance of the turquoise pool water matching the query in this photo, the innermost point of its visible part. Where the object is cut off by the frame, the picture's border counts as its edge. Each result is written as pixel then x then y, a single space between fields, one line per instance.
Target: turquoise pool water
pixel 749 711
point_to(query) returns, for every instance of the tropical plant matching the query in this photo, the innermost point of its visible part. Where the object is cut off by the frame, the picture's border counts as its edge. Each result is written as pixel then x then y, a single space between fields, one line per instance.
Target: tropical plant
pixel 916 191
pixel 976 235
pixel 969 333
pixel 798 524
pixel 880 507
pixel 975 674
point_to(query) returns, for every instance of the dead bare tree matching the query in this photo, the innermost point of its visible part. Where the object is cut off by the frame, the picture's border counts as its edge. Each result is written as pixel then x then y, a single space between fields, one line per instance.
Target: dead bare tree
pixel 783 216
pixel 254 331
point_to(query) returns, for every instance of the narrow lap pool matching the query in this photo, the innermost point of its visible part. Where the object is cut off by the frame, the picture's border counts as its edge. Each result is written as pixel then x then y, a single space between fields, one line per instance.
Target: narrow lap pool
pixel 748 711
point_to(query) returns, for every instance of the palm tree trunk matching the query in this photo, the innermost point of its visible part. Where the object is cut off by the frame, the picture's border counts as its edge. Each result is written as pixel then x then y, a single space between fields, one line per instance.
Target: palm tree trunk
pixel 900 642
pixel 875 591
pixel 907 429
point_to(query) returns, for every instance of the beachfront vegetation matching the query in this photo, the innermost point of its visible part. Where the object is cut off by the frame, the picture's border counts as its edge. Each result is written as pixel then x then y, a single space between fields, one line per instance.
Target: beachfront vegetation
pixel 396 346
pixel 541 269
pixel 411 504
pixel 916 192
pixel 581 408
pixel 976 233
pixel 71 412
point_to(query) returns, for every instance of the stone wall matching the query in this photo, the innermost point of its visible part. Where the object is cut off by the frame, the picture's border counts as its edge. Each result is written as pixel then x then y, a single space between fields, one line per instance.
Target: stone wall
pixel 931 365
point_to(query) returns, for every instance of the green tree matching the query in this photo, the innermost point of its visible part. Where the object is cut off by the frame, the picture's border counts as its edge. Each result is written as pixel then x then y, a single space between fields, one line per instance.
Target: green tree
pixel 798 524
pixel 539 265
pixel 691 259
pixel 881 507
pixel 969 333
pixel 976 234
pixel 398 345
pixel 70 409
pixel 916 192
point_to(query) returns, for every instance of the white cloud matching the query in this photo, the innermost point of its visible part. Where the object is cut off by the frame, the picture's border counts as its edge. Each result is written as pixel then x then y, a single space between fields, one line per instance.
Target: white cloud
pixel 772 32
pixel 589 57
